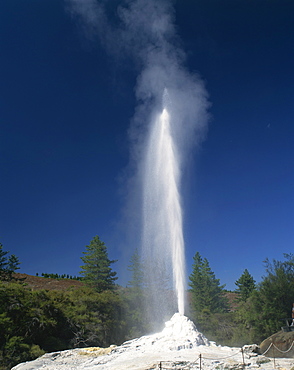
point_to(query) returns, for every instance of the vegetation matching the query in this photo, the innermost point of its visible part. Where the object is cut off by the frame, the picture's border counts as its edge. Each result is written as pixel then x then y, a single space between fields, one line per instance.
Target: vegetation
pixel 32 322
pixel 263 311
pixel 100 313
pixel 260 308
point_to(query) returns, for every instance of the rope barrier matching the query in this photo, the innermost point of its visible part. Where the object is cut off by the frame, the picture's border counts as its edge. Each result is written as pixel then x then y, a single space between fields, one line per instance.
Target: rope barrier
pixel 194 362
pixel 279 350
pixel 200 358
pixel 183 367
pixel 269 347
pixel 221 358
pixel 288 350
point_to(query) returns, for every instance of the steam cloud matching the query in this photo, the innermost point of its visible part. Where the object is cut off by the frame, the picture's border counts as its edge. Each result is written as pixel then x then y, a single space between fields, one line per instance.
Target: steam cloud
pixel 145 30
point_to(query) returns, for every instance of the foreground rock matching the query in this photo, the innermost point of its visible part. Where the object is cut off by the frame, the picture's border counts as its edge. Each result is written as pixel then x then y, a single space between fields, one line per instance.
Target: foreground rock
pixel 279 345
pixel 180 344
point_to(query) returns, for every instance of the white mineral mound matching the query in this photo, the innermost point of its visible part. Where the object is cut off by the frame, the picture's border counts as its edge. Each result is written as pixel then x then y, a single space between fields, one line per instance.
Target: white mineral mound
pixel 179 333
pixel 179 341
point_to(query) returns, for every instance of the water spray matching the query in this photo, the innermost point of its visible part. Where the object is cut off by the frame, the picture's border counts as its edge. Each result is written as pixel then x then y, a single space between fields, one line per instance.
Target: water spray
pixel 163 224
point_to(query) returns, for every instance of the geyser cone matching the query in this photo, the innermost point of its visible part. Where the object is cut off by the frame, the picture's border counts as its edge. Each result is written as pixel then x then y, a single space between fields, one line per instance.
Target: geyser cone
pixel 179 333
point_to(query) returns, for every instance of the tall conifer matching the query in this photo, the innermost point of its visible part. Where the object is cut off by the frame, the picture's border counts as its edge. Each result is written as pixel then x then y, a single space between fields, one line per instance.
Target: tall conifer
pixel 246 285
pixel 96 269
pixel 207 293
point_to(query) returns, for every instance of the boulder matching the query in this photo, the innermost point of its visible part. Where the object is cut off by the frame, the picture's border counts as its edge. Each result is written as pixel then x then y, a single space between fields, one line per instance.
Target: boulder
pixel 280 345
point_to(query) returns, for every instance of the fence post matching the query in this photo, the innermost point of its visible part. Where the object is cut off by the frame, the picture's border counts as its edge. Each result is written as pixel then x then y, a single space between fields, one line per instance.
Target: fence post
pixel 160 365
pixel 243 357
pixel 200 365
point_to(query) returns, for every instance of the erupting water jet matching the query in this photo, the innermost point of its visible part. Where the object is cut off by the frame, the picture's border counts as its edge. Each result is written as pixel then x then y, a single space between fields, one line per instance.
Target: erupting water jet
pixel 163 240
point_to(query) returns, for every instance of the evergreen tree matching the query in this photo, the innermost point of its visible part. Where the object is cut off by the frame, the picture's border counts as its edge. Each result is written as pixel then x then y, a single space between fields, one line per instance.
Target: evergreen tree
pixel 134 296
pixel 96 269
pixel 246 285
pixel 13 263
pixel 207 293
pixel 7 266
pixel 12 266
pixel 136 270
pixel 3 258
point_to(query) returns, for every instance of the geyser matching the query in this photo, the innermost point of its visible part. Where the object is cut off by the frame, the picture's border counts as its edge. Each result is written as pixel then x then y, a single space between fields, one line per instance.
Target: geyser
pixel 163 242
pixel 172 110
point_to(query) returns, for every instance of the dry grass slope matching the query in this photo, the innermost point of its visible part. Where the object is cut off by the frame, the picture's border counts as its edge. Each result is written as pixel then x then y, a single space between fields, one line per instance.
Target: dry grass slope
pixel 37 282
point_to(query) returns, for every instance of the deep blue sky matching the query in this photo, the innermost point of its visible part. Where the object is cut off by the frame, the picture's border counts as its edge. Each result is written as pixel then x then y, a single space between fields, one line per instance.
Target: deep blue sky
pixel 65 111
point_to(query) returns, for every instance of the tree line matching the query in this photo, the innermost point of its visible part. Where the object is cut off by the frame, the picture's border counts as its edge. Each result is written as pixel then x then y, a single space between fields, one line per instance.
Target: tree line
pixel 58 276
pixel 101 312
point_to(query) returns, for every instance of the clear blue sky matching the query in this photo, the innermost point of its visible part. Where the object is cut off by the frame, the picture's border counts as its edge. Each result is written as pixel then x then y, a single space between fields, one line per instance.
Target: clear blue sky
pixel 65 111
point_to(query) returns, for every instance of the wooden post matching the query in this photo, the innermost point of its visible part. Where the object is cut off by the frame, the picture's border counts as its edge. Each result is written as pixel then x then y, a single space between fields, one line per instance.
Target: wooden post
pixel 200 365
pixel 243 357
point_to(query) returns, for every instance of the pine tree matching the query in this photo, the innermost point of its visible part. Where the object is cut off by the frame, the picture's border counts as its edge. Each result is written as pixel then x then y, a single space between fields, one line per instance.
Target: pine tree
pixel 196 283
pixel 13 263
pixel 4 275
pixel 246 285
pixel 12 266
pixel 3 258
pixel 136 270
pixel 207 293
pixel 96 269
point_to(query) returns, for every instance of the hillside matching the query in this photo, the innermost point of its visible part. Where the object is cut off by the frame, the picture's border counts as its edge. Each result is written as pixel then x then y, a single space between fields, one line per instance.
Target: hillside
pixel 37 282
pixel 232 299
